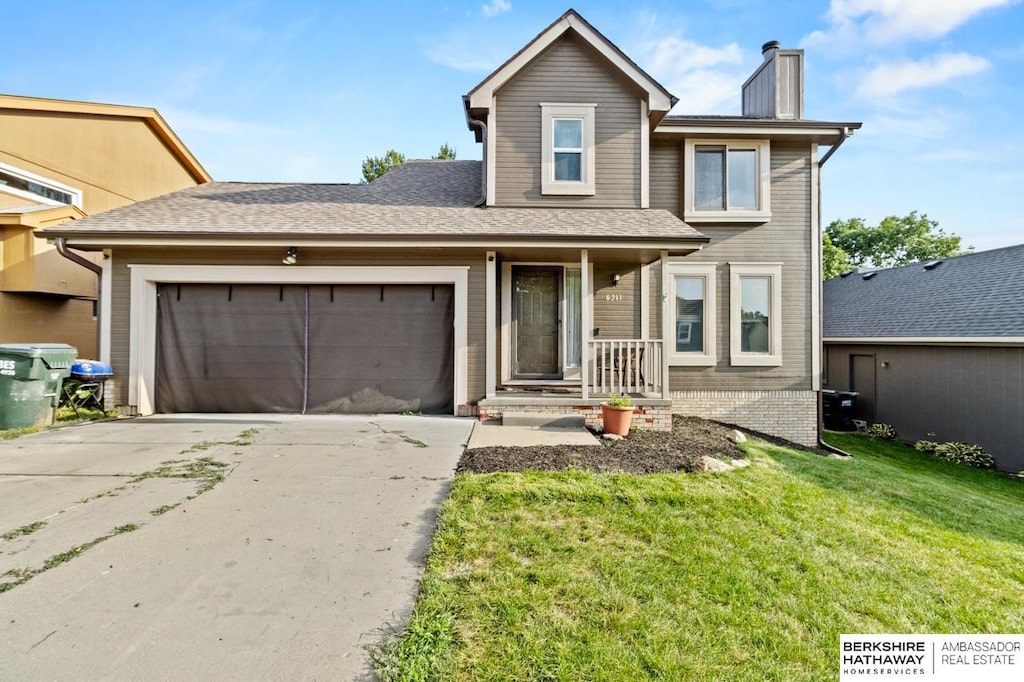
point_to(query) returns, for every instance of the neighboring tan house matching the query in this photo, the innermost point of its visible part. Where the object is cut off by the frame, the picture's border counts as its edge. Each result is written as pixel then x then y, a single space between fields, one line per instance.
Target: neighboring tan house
pixel 935 349
pixel 62 161
pixel 601 246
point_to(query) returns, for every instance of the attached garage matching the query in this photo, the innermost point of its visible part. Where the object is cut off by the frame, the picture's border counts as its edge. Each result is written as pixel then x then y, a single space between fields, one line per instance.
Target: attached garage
pixel 303 340
pixel 303 348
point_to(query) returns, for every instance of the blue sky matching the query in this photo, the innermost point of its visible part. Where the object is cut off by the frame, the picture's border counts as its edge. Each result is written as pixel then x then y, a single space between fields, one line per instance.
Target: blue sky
pixel 304 91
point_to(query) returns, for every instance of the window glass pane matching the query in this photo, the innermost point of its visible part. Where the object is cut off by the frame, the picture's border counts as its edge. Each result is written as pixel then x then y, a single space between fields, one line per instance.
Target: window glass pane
pixel 574 311
pixel 755 314
pixel 709 194
pixel 26 185
pixel 742 178
pixel 689 314
pixel 568 133
pixel 568 166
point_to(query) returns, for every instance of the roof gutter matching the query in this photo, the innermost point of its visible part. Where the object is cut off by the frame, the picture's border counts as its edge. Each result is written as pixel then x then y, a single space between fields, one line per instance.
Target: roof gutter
pixel 846 133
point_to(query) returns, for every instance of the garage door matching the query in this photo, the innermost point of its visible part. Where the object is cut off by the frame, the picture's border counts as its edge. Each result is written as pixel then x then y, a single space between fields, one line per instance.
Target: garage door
pixel 305 349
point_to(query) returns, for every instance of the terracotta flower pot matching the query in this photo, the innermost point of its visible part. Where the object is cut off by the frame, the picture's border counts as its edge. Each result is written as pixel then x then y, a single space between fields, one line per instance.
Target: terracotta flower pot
pixel 616 419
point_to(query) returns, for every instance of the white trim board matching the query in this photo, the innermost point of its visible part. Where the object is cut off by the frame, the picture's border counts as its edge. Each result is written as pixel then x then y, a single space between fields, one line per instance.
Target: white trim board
pixel 144 278
pixel 489 244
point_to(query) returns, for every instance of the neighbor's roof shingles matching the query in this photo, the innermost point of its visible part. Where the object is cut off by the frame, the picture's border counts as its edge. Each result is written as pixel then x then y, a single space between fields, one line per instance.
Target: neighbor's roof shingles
pixel 976 295
pixel 417 199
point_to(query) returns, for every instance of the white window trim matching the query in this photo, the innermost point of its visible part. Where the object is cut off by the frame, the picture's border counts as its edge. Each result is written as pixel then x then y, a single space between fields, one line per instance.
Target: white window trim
pixel 761 214
pixel 548 184
pixel 144 278
pixel 773 358
pixel 708 271
pixel 76 194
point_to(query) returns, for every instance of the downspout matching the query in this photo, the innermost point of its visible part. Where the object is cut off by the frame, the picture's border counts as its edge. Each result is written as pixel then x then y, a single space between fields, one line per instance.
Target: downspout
pixel 821 304
pixel 62 249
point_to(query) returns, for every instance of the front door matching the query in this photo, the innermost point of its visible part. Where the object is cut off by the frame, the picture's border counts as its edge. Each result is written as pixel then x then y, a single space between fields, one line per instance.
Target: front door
pixel 536 298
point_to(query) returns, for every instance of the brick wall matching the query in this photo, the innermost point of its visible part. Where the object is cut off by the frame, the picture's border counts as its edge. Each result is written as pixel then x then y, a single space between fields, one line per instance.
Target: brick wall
pixel 792 415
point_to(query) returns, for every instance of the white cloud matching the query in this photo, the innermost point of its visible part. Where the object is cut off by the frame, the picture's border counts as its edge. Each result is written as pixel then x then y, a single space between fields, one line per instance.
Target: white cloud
pixel 197 122
pixel 854 23
pixel 704 78
pixel 893 78
pixel 496 7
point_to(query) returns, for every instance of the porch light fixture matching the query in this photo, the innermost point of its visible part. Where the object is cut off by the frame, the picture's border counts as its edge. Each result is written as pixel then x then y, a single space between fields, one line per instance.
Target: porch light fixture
pixel 615 279
pixel 291 256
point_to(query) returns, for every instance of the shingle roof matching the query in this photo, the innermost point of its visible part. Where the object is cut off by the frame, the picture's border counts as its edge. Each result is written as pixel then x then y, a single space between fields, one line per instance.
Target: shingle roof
pixel 417 199
pixel 976 295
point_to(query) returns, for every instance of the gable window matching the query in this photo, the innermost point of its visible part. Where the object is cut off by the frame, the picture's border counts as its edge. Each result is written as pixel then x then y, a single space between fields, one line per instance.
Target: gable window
pixel 31 186
pixel 755 314
pixel 727 181
pixel 689 313
pixel 567 163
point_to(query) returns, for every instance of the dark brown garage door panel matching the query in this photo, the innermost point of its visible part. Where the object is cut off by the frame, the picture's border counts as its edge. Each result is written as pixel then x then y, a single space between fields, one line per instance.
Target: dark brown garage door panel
pixel 381 348
pixel 229 348
pixel 298 348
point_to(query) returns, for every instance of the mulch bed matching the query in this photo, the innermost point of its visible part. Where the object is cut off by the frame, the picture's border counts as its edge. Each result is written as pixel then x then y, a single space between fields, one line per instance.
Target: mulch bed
pixel 643 452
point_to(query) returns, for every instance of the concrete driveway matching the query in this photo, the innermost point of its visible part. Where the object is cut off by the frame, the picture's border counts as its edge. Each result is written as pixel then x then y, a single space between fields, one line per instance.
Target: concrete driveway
pixel 215 547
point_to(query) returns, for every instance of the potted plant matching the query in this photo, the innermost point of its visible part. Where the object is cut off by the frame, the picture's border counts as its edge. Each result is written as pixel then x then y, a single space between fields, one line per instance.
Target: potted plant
pixel 617 414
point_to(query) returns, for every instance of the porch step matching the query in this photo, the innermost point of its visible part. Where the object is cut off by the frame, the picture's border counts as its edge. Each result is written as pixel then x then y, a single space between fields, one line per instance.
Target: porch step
pixel 539 420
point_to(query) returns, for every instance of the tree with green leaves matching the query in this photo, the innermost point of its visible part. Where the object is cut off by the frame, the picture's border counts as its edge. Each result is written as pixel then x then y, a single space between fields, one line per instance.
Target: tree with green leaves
pixel 896 240
pixel 445 154
pixel 376 166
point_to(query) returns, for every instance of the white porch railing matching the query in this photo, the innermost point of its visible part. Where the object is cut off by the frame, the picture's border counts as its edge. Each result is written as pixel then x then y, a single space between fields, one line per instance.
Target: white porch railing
pixel 624 366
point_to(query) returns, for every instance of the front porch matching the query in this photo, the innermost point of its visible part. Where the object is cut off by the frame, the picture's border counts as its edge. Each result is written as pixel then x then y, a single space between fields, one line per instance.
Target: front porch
pixel 563 335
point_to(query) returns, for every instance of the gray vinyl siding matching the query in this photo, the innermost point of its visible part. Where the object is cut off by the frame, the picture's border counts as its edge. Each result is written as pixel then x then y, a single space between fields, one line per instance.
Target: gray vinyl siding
pixel 613 318
pixel 945 393
pixel 567 72
pixel 776 91
pixel 121 288
pixel 785 239
pixel 666 171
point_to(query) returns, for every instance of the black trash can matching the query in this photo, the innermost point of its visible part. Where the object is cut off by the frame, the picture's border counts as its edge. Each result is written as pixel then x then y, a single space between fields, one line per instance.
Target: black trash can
pixel 31 375
pixel 837 409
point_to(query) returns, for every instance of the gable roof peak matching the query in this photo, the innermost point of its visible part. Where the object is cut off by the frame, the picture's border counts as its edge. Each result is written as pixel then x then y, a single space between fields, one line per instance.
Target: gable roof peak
pixel 659 100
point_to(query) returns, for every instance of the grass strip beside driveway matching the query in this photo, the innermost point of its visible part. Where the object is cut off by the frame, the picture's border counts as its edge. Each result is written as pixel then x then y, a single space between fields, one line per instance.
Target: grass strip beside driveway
pixel 750 575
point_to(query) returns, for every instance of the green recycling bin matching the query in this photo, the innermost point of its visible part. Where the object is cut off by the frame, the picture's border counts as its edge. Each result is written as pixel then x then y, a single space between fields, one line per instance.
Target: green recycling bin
pixel 31 375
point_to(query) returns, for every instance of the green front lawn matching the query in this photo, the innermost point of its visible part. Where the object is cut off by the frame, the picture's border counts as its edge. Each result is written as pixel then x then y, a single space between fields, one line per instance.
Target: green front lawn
pixel 750 575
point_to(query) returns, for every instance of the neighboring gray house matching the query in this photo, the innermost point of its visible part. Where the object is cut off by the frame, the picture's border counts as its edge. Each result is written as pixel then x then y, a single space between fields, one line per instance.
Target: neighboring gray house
pixel 601 246
pixel 935 349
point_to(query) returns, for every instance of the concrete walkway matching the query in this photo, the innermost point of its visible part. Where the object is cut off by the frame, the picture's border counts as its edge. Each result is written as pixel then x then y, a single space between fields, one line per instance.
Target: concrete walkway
pixel 309 537
pixel 493 434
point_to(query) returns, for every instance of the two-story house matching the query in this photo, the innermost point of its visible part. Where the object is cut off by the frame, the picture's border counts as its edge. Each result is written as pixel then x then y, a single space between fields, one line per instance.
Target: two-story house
pixel 600 246
pixel 61 161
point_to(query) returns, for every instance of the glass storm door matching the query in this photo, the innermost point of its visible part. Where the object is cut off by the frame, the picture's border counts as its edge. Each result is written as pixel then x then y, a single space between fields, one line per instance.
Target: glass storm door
pixel 536 304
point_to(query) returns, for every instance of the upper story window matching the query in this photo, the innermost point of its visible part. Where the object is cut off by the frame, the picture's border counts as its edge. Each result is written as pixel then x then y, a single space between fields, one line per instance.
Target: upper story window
pixel 567 164
pixel 727 181
pixel 31 186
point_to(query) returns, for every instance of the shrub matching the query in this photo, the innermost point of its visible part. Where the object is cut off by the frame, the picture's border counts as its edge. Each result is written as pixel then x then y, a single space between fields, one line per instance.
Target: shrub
pixel 619 401
pixel 964 453
pixel 881 431
pixel 926 446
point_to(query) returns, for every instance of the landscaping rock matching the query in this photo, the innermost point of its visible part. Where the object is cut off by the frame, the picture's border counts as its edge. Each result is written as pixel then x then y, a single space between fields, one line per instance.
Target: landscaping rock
pixel 612 436
pixel 740 463
pixel 737 437
pixel 713 465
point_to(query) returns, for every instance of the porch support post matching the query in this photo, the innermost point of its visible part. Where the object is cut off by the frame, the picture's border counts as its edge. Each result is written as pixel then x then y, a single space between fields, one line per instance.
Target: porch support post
pixel 665 316
pixel 491 322
pixel 645 302
pixel 585 313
